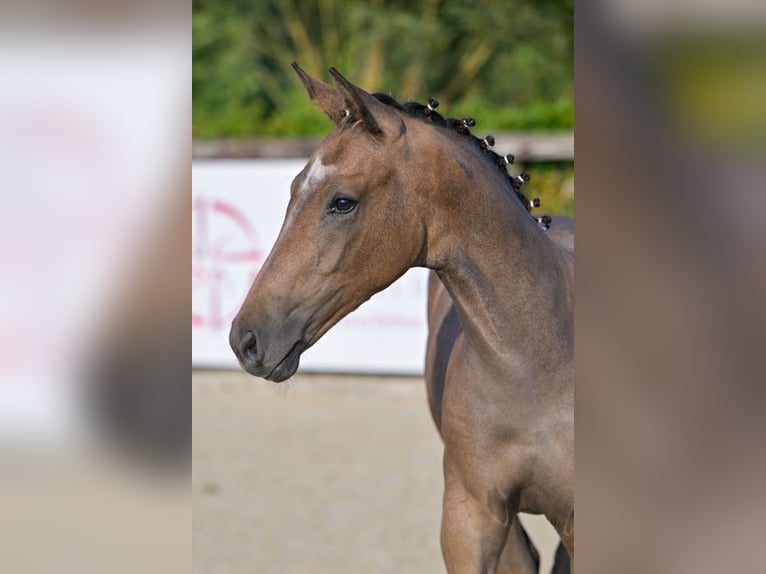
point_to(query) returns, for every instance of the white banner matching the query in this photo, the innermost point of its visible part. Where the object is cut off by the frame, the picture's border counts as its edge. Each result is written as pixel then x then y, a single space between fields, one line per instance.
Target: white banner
pixel 237 211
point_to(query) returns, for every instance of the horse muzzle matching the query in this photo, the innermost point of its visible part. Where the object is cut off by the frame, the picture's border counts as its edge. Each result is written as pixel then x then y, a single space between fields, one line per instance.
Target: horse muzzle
pixel 266 350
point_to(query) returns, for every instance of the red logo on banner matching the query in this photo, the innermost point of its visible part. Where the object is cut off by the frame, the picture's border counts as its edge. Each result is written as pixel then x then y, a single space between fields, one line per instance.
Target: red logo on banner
pixel 226 256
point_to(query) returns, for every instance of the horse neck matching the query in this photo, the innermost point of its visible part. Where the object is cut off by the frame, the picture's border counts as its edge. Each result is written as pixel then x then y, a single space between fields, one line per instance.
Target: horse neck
pixel 511 285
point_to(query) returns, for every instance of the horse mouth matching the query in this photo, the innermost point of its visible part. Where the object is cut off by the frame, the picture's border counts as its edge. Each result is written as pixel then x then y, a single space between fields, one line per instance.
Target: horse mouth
pixel 288 365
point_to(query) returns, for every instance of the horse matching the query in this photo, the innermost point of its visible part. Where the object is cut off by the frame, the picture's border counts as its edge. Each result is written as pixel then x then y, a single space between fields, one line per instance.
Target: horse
pixel 397 186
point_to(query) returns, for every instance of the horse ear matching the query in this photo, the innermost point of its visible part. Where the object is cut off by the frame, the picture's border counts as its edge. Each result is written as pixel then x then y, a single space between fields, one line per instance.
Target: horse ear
pixel 376 116
pixel 329 100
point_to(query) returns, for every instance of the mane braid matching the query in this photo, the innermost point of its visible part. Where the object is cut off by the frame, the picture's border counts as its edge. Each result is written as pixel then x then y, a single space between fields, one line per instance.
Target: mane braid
pixel 427 114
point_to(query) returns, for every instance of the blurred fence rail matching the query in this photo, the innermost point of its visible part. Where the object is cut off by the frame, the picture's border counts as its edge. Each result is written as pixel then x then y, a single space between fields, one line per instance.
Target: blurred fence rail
pixel 525 146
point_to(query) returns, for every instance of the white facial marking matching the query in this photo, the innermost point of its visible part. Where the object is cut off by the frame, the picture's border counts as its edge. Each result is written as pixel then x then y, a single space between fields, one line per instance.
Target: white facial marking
pixel 317 171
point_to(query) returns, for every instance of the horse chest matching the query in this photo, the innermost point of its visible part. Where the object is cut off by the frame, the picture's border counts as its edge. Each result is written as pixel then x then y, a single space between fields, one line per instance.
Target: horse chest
pixel 479 424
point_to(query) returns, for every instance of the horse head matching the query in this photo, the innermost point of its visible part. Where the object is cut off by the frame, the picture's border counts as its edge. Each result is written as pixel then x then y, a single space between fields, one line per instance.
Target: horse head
pixel 350 230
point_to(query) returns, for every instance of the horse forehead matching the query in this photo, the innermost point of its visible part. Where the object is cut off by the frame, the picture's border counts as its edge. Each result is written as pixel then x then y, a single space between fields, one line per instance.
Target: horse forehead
pixel 316 172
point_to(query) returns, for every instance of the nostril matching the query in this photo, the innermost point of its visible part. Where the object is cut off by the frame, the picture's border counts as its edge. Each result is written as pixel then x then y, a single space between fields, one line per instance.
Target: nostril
pixel 248 347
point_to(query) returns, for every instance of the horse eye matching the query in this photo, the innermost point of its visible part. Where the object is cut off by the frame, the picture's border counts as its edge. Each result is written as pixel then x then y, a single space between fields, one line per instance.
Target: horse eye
pixel 342 205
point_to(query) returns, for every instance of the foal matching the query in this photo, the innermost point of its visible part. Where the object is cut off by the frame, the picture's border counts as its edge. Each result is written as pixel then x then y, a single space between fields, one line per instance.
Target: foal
pixel 385 192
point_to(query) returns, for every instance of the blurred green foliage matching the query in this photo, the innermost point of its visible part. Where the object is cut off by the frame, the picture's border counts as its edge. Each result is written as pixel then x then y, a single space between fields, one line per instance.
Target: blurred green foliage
pixel 508 63
pixel 553 183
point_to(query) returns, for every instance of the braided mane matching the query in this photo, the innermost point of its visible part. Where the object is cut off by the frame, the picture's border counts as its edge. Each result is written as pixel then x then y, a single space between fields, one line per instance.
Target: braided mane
pixel 427 113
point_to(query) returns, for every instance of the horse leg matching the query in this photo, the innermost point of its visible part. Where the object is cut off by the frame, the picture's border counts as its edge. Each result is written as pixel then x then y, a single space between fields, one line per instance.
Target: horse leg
pixel 565 528
pixel 561 563
pixel 472 535
pixel 519 554
pixel 569 546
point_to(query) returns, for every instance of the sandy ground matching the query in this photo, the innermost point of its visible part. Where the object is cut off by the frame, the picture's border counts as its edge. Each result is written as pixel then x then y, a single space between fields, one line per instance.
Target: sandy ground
pixel 321 474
